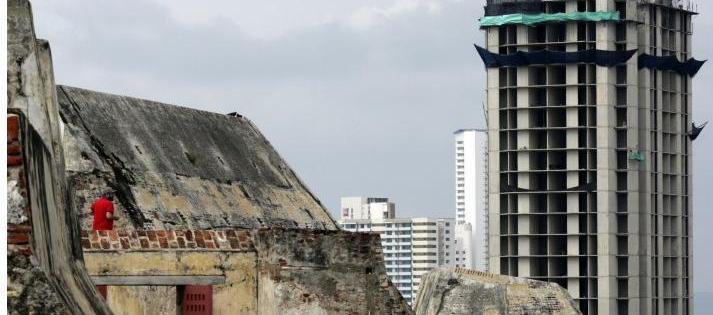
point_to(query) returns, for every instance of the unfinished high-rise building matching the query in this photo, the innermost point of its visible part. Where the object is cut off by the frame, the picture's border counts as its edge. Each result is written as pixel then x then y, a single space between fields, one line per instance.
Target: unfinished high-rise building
pixel 590 130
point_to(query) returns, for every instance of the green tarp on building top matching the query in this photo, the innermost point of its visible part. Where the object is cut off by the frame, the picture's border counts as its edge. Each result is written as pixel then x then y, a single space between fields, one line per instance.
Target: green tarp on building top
pixel 531 19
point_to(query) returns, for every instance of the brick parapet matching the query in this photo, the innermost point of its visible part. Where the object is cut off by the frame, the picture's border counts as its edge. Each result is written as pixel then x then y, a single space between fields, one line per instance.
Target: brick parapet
pixel 167 240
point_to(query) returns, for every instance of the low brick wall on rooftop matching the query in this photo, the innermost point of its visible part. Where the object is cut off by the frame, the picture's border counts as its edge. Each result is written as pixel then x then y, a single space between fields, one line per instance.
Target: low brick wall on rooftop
pixel 202 240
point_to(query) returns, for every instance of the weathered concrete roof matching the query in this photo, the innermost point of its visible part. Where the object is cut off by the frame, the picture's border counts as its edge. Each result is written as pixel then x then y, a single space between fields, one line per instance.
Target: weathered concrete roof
pixel 176 167
pixel 461 291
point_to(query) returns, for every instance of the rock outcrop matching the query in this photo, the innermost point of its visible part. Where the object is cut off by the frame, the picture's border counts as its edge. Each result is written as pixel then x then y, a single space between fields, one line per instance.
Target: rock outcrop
pixel 459 291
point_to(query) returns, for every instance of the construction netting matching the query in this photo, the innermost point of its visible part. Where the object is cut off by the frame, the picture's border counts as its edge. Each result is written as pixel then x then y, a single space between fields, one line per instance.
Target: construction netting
pixel 603 58
pixel 532 19
pixel 696 130
pixel 689 67
pixel 636 156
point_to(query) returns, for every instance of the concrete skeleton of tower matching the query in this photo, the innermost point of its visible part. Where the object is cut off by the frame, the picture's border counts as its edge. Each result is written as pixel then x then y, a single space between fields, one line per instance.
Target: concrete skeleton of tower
pixel 471 177
pixel 589 124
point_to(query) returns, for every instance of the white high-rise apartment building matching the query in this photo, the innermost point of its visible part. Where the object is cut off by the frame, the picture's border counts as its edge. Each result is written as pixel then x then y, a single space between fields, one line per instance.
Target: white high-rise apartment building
pixel 471 184
pixel 412 246
pixel 589 112
pixel 365 208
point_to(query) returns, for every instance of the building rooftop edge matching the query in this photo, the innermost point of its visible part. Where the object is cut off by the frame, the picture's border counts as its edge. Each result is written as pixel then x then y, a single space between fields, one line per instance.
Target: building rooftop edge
pixel 395 219
pixel 470 129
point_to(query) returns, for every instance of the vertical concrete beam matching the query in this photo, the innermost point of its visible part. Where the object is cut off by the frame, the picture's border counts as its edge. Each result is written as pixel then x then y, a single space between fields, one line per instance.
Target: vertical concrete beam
pixel 606 164
pixel 645 143
pixel 492 94
pixel 524 201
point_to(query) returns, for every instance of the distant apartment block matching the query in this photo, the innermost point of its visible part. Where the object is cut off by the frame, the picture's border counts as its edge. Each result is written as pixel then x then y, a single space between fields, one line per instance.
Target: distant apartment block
pixel 412 246
pixel 471 184
pixel 363 208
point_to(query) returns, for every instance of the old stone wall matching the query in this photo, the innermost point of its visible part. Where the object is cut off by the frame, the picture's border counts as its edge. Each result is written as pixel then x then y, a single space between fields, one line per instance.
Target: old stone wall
pixel 45 272
pixel 266 271
pixel 155 254
pixel 18 212
pixel 238 295
pixel 324 272
pixel 28 289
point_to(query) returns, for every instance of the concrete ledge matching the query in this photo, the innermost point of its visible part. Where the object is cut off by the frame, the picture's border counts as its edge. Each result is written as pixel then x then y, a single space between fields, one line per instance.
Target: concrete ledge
pixel 157 280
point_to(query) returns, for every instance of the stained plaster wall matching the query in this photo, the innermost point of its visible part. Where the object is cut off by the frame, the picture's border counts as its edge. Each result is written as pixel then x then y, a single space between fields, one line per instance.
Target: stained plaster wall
pixel 237 296
pixel 146 301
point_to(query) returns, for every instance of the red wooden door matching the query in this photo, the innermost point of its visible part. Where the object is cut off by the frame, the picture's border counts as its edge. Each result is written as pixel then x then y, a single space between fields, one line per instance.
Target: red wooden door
pixel 102 290
pixel 198 300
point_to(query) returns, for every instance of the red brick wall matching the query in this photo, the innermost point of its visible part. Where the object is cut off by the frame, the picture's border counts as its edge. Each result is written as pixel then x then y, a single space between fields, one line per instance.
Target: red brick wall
pixel 18 235
pixel 225 240
pixel 14 150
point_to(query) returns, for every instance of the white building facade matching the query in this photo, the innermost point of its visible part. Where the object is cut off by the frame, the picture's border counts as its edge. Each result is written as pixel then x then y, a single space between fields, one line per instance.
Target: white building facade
pixel 471 184
pixel 412 246
pixel 366 208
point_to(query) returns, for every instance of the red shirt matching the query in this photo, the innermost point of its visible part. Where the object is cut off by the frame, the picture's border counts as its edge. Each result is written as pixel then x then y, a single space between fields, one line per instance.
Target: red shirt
pixel 100 208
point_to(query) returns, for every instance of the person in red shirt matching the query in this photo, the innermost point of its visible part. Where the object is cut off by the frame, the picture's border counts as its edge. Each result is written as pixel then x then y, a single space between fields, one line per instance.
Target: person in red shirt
pixel 103 211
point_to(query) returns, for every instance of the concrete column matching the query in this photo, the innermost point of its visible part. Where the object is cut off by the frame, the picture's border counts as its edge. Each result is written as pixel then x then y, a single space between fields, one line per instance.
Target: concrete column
pixel 606 177
pixel 492 94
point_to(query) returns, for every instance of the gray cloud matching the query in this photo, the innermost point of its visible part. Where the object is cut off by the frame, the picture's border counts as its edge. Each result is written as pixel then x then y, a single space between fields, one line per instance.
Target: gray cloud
pixel 360 97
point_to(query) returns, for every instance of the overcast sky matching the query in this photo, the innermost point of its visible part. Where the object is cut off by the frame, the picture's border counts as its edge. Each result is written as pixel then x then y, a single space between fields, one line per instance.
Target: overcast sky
pixel 361 97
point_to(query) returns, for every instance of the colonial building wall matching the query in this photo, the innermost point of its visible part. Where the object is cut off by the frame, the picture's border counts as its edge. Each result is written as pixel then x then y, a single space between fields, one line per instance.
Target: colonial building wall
pixel 265 271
